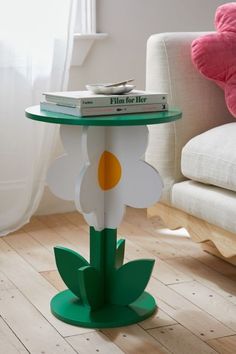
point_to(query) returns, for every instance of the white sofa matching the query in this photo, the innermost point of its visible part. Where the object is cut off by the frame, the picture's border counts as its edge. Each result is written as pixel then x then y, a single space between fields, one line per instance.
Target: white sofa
pixel 196 156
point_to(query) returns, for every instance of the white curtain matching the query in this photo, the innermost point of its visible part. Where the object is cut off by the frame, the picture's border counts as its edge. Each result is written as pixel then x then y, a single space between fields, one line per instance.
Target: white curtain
pixel 35 48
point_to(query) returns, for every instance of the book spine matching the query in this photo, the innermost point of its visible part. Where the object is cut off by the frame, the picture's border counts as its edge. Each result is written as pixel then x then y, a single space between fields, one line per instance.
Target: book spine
pixel 120 100
pixel 102 111
pixel 53 107
pixel 96 111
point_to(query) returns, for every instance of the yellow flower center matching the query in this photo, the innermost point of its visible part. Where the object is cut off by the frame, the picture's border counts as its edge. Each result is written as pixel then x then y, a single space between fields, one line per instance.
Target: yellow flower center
pixel 109 171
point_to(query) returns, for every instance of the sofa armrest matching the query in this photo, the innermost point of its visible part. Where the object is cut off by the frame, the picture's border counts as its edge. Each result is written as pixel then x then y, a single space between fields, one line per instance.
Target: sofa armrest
pixel 169 69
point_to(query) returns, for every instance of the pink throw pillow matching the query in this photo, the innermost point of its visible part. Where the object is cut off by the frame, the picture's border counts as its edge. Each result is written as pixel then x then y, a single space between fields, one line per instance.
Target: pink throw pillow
pixel 214 55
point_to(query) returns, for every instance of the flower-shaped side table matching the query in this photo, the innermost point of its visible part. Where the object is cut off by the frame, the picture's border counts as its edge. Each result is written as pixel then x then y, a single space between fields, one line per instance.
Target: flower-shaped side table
pixel 103 170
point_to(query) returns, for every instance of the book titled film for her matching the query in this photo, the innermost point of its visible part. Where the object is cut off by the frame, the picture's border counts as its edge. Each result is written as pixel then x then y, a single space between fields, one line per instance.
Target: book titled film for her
pixel 88 99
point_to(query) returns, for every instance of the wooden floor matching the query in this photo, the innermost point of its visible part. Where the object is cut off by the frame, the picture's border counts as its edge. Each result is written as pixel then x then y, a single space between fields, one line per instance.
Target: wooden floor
pixel 195 291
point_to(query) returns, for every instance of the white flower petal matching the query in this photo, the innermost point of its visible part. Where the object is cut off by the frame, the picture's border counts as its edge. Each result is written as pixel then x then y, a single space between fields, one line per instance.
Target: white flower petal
pixel 71 137
pixel 62 176
pixel 94 142
pixel 101 209
pixel 95 219
pixel 100 220
pixel 142 185
pixel 88 195
pixel 114 207
pixel 128 143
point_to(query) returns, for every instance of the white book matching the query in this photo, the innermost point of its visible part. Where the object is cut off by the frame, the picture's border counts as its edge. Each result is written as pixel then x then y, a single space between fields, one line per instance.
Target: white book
pixel 88 99
pixel 101 111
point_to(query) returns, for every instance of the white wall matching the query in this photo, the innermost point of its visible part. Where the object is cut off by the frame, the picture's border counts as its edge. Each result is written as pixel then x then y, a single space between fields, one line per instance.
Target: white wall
pixel 129 23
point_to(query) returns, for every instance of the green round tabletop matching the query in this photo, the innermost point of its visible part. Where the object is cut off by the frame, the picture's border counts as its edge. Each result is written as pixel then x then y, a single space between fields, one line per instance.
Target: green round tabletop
pixel 35 113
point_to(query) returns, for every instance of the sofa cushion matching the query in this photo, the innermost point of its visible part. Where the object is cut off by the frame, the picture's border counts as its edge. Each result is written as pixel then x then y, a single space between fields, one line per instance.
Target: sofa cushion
pixel 211 157
pixel 212 204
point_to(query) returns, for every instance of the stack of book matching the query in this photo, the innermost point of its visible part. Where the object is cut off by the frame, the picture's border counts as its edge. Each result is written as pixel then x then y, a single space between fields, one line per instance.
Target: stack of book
pixel 85 103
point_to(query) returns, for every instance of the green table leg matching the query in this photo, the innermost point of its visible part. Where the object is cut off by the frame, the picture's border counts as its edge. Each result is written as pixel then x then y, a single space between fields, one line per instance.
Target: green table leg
pixel 102 293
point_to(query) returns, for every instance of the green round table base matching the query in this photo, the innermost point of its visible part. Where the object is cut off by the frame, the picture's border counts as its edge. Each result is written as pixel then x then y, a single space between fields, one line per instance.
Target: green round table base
pixel 68 308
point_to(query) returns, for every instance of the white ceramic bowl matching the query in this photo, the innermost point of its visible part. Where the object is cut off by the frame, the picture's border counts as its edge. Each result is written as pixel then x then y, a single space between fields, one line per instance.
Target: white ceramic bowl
pixel 111 90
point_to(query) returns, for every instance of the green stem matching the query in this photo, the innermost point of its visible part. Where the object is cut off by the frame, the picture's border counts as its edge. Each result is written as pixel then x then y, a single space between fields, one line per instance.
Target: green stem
pixel 97 249
pixel 103 255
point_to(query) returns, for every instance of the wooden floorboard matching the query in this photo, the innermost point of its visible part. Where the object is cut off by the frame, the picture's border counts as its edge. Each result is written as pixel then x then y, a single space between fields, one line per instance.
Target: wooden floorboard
pixel 195 292
pixel 225 345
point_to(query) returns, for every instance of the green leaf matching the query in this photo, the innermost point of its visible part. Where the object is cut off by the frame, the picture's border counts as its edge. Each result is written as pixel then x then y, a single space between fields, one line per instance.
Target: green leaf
pixel 68 262
pixel 128 282
pixel 91 286
pixel 120 251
